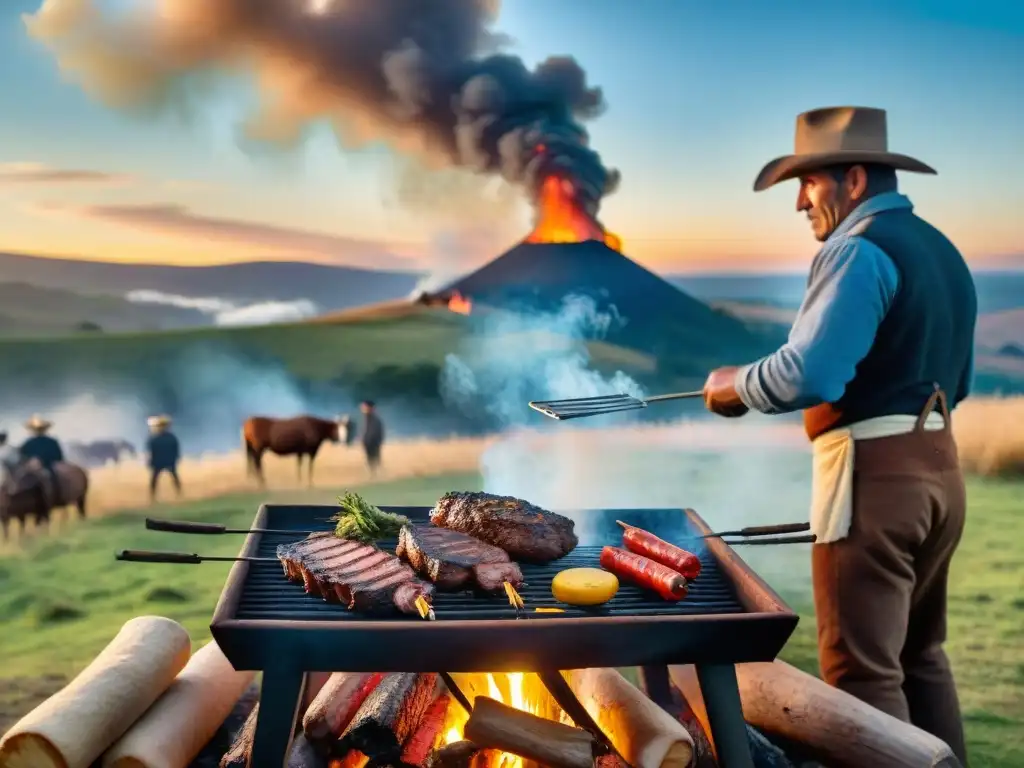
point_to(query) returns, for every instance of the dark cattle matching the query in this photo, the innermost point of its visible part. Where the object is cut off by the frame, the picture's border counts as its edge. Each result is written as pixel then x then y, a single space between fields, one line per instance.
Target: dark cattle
pixel 99 452
pixel 28 492
pixel 299 436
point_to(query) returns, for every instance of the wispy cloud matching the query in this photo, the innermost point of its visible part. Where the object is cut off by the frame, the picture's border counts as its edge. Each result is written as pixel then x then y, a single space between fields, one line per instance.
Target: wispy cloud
pixel 225 312
pixel 39 173
pixel 173 220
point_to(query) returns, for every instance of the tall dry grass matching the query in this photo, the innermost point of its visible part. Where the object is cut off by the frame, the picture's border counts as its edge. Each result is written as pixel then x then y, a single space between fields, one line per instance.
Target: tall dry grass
pixel 990 435
pixel 117 487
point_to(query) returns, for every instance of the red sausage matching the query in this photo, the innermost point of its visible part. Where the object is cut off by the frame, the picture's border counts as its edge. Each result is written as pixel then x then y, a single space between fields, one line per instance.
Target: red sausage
pixel 660 551
pixel 644 573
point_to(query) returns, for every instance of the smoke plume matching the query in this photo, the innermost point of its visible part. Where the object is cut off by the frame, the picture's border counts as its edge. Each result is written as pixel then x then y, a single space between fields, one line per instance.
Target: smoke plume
pixel 423 75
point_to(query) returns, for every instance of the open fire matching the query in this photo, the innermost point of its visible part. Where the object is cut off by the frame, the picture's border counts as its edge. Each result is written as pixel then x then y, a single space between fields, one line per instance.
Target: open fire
pixel 459 304
pixel 560 219
pixel 520 690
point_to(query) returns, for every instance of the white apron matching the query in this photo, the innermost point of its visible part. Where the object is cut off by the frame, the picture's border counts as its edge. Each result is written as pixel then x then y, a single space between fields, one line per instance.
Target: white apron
pixel 832 470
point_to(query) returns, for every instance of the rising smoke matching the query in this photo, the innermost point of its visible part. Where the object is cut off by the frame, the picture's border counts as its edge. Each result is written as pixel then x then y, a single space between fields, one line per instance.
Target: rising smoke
pixel 421 74
pixel 208 389
pixel 735 473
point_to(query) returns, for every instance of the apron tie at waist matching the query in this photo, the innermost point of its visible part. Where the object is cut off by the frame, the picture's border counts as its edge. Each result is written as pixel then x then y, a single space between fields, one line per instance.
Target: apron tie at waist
pixel 833 462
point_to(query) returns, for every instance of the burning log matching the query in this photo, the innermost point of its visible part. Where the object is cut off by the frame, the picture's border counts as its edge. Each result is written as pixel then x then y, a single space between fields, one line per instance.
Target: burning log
pixel 830 725
pixel 335 705
pixel 305 755
pixel 388 716
pixel 241 749
pixel 494 725
pixel 418 747
pixel 642 732
pixel 458 754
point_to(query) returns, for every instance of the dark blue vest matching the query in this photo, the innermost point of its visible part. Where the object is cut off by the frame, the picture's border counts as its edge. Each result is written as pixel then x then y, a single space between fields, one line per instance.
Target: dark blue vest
pixel 926 337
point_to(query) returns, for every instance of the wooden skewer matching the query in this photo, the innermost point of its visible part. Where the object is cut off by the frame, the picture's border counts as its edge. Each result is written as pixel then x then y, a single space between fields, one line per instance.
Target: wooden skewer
pixel 514 598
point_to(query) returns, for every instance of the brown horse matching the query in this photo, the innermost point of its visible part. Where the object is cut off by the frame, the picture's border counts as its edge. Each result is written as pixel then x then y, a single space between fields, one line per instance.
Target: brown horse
pixel 28 492
pixel 299 436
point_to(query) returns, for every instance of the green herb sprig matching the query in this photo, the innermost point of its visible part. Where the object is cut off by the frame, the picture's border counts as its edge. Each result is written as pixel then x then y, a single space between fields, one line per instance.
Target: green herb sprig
pixel 359 520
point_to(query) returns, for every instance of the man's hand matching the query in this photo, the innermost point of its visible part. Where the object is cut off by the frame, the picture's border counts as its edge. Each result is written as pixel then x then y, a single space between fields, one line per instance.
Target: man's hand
pixel 720 394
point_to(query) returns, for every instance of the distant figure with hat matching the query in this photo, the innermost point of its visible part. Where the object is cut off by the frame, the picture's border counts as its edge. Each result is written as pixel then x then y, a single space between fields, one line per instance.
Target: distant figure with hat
pixel 373 435
pixel 163 452
pixel 880 353
pixel 46 450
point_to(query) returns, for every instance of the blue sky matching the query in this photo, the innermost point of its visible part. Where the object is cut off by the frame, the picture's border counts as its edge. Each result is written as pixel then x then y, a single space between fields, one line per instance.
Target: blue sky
pixel 700 96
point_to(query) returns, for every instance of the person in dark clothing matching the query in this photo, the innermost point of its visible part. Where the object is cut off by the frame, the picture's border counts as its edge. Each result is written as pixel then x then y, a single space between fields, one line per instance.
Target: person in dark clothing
pixel 880 353
pixel 164 452
pixel 44 449
pixel 373 435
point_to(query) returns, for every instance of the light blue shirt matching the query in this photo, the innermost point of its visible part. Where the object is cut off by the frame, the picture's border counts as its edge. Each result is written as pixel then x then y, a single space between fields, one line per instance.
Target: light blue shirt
pixel 853 283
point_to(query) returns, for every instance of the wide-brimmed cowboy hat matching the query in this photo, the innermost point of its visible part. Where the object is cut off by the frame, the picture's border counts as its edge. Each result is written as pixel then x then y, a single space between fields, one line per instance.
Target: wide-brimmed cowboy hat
pixel 158 421
pixel 836 136
pixel 37 423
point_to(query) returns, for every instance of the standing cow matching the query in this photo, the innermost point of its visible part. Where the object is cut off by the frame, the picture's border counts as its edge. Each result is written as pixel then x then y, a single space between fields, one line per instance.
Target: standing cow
pixel 299 436
pixel 99 452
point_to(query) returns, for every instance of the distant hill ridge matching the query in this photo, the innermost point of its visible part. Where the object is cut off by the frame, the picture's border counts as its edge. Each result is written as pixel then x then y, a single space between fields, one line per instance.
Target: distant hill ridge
pixel 328 286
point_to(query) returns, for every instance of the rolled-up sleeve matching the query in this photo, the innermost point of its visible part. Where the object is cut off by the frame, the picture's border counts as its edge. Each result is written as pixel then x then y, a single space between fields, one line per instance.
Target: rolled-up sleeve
pixel 852 287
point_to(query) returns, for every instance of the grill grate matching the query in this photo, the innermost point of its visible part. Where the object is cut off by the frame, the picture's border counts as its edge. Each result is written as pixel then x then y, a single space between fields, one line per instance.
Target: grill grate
pixel 267 595
pixel 263 622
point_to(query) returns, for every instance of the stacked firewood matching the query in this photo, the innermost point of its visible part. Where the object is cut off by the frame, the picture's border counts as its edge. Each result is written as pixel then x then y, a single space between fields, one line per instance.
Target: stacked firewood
pixel 359 720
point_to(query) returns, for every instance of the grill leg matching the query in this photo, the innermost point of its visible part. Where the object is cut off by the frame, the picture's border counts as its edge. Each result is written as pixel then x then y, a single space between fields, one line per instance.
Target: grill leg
pixel 656 684
pixel 280 695
pixel 725 714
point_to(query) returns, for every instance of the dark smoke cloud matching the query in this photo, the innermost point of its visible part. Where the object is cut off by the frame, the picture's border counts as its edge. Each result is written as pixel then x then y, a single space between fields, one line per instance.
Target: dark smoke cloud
pixel 421 74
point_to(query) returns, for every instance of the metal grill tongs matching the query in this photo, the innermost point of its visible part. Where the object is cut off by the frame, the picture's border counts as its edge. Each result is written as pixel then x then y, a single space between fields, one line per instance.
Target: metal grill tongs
pixel 582 407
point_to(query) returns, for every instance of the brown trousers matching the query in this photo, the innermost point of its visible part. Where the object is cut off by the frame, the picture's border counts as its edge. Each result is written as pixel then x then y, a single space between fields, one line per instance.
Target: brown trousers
pixel 880 593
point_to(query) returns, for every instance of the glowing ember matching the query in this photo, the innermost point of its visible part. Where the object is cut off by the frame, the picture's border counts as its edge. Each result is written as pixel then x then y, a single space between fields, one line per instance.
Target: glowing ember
pixel 459 303
pixel 561 220
pixel 520 690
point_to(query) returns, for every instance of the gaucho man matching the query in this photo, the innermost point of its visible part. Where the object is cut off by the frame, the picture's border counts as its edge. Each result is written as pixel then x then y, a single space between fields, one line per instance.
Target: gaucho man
pixel 879 354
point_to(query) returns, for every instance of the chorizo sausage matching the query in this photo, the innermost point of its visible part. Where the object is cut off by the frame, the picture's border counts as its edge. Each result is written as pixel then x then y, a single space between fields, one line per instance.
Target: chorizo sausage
pixel 650 546
pixel 644 573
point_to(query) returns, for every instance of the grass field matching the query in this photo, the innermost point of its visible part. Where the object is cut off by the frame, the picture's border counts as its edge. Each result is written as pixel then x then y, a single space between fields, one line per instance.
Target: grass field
pixel 62 598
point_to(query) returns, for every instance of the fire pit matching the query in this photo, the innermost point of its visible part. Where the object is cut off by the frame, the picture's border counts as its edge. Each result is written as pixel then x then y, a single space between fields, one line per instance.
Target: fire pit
pixel 262 622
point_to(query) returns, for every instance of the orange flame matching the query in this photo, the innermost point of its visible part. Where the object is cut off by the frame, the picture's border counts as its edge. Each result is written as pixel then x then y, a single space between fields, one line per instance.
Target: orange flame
pixel 523 691
pixel 460 304
pixel 560 219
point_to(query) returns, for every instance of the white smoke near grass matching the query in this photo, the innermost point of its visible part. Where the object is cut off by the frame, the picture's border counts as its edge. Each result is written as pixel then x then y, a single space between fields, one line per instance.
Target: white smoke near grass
pixel 733 472
pixel 208 390
pixel 224 312
pixel 83 418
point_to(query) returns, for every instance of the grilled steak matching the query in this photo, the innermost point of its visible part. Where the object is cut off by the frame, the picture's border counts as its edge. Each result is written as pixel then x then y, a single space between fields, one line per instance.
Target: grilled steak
pixel 453 560
pixel 522 529
pixel 359 576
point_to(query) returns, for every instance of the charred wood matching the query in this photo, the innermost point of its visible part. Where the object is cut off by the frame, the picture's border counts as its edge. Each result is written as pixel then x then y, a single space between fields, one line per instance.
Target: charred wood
pixel 334 707
pixel 388 717
pixel 428 733
pixel 494 725
pixel 458 754
pixel 304 755
pixel 241 749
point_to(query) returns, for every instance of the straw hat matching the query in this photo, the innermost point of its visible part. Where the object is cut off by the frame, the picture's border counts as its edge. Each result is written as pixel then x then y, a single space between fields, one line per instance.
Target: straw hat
pixel 158 422
pixel 835 136
pixel 38 424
